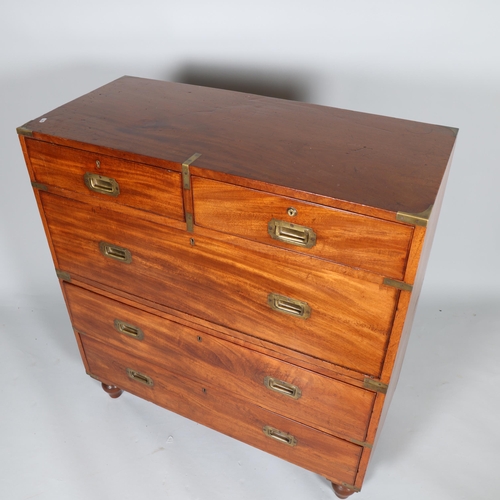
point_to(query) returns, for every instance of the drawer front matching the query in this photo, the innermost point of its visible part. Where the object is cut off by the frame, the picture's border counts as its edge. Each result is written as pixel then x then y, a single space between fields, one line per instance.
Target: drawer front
pixel 349 318
pixel 314 450
pixel 344 237
pixel 302 395
pixel 98 176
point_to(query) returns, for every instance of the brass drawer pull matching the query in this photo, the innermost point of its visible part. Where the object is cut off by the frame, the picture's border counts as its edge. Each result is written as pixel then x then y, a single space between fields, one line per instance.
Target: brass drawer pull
pixel 280 436
pixel 281 387
pixel 115 252
pixel 289 306
pixel 101 184
pixel 291 233
pixel 140 377
pixel 128 329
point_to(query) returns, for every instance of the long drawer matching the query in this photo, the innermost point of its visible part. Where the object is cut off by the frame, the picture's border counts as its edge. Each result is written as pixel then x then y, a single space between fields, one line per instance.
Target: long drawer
pixel 322 453
pixel 355 240
pixel 98 176
pixel 310 398
pixel 348 319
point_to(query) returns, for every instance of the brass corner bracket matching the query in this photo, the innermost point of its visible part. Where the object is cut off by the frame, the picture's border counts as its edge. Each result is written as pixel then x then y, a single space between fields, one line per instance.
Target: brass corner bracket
pixel 38 185
pixel 24 131
pixel 420 219
pixel 63 275
pixel 400 285
pixel 375 385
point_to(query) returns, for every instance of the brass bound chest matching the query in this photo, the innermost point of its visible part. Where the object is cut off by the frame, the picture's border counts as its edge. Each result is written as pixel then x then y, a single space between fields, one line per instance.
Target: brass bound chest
pixel 250 263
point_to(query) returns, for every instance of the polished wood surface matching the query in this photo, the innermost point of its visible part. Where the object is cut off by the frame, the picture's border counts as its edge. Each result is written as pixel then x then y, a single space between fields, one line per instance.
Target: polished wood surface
pixel 148 188
pixel 325 403
pixel 237 418
pixel 350 318
pixel 387 163
pixel 344 237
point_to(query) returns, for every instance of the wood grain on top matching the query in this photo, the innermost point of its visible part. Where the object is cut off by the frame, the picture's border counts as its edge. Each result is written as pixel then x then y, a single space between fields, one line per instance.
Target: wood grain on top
pixel 387 163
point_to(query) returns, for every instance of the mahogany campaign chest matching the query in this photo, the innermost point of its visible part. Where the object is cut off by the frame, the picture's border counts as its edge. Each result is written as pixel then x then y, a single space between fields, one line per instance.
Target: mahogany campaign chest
pixel 250 263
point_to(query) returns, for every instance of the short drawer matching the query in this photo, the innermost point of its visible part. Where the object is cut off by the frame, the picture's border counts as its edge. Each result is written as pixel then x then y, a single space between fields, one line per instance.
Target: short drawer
pixel 310 398
pixel 348 238
pixel 132 184
pixel 347 320
pixel 307 447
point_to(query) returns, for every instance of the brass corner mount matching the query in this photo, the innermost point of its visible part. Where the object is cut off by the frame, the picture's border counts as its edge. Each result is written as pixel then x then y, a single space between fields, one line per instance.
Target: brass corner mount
pixel 420 219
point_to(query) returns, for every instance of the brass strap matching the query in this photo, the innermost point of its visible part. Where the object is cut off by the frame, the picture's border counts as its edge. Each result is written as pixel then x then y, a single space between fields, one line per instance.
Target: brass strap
pixel 186 177
pixel 63 275
pixel 401 285
pixel 375 385
pixel 37 185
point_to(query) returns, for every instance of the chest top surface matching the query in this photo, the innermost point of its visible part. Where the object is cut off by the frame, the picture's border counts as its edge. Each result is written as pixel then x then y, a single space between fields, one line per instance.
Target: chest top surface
pixel 386 163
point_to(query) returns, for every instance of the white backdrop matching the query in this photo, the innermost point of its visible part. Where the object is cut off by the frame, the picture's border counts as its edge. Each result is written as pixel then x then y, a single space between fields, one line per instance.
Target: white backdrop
pixel 434 61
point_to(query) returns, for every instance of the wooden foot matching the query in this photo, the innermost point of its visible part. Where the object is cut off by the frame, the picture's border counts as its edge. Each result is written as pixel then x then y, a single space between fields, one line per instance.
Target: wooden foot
pixel 342 491
pixel 113 391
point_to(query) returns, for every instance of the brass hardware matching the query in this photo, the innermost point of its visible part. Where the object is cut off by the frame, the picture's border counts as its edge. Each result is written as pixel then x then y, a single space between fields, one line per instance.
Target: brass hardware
pixel 351 487
pixel 292 212
pixel 97 164
pixel 291 233
pixel 101 184
pixel 93 376
pixel 420 219
pixel 281 387
pixel 360 443
pixel 128 329
pixel 191 241
pixel 115 252
pixel 280 436
pixel 63 275
pixel 375 385
pixel 37 185
pixel 198 338
pixel 186 178
pixel 401 285
pixel 189 222
pixel 140 377
pixel 290 306
pixel 24 131
pixel 203 390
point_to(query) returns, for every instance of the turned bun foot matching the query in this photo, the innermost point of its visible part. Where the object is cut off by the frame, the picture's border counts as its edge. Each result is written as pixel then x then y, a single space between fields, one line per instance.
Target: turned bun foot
pixel 342 491
pixel 113 391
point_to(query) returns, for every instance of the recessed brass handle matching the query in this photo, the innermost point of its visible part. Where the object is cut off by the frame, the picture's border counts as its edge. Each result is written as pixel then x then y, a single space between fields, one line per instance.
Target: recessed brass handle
pixel 101 184
pixel 291 233
pixel 282 387
pixel 128 329
pixel 280 436
pixel 140 377
pixel 115 252
pixel 290 306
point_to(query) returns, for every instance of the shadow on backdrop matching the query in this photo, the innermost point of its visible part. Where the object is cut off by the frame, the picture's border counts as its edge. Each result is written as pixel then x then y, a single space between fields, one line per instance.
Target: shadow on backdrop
pixel 274 83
